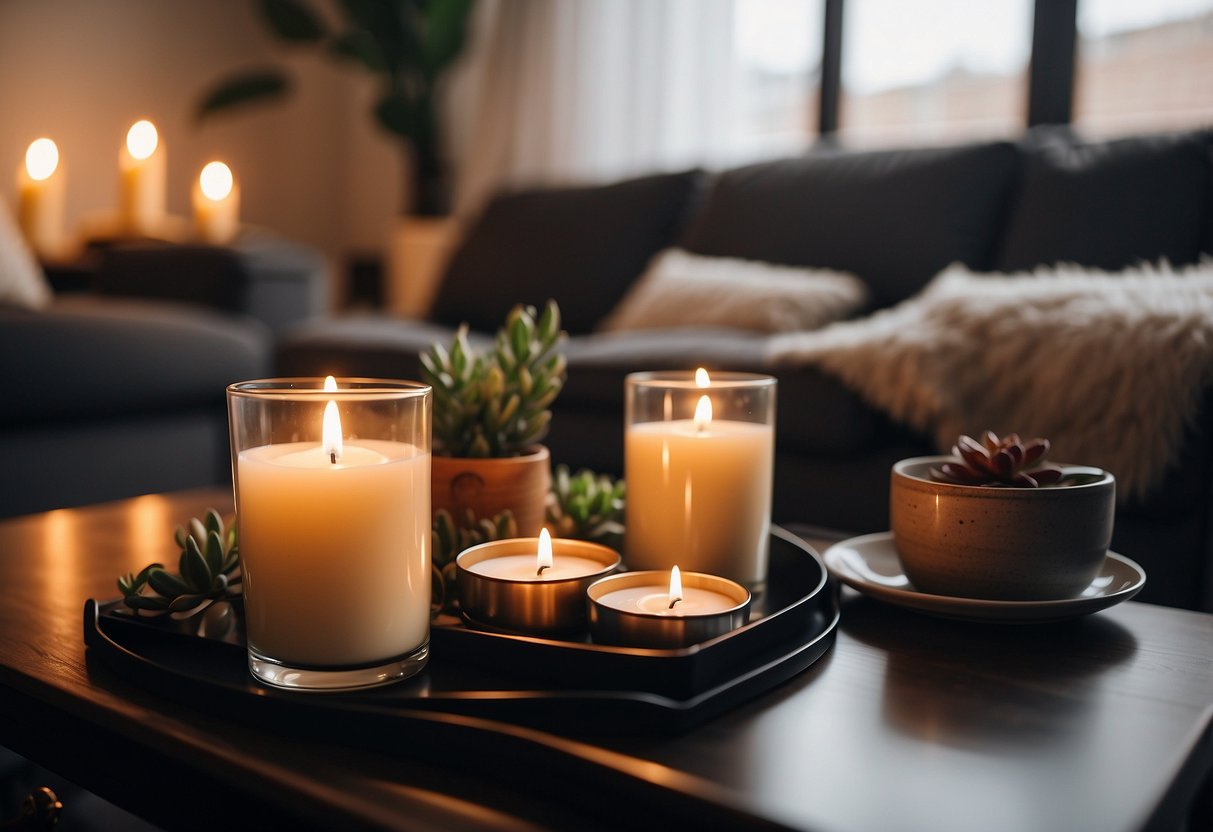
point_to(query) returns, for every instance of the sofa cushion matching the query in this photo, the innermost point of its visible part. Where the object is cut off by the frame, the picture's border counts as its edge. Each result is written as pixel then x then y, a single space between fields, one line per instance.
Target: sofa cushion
pixel 368 345
pixel 21 281
pixel 86 357
pixel 895 218
pixel 1107 205
pixel 680 289
pixel 582 246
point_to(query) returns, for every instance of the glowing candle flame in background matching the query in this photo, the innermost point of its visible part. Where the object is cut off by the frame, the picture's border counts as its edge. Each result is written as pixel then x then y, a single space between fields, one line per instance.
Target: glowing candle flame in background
pixel 41 159
pixel 216 182
pixel 142 139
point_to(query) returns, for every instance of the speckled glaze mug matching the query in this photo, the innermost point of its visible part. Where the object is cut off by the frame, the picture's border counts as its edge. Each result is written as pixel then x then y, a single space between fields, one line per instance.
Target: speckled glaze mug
pixel 1000 543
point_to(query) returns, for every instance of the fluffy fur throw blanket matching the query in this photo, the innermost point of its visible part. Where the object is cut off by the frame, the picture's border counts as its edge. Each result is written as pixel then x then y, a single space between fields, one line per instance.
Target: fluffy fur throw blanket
pixel 1110 367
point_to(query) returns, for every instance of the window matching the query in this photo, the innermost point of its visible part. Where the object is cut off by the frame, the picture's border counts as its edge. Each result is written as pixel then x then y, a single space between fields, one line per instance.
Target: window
pixel 778 49
pixel 1143 66
pixel 926 71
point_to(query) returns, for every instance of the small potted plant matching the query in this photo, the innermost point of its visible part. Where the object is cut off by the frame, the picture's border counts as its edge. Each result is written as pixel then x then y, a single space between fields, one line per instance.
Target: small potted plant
pixel 996 521
pixel 587 506
pixel 491 411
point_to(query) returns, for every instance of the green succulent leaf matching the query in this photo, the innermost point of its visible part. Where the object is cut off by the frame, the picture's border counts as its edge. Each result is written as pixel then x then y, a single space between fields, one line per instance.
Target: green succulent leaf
pixel 185 602
pixel 213 522
pixel 193 567
pixel 495 403
pixel 214 553
pixel 147 602
pixel 166 583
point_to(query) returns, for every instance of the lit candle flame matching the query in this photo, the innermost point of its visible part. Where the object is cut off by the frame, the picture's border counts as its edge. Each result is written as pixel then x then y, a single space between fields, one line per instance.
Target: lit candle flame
pixel 331 433
pixel 41 159
pixel 142 139
pixel 216 182
pixel 703 414
pixel 544 559
pixel 675 587
pixel 701 378
pixel 330 384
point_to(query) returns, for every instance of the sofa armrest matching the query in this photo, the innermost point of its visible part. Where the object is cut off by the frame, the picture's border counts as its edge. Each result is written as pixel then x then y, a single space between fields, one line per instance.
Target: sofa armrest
pixel 277 282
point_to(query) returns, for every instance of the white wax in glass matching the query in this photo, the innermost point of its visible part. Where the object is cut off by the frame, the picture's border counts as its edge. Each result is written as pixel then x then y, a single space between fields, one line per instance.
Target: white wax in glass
pixel 524 568
pixel 336 558
pixel 656 600
pixel 700 498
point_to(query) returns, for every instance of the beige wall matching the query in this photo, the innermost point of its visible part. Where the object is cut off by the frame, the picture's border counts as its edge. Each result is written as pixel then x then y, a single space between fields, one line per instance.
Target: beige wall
pixel 81 71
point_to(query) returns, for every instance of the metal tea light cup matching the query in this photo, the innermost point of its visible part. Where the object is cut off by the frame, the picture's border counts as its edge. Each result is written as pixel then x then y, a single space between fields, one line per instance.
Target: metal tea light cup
pixel 536 607
pixel 631 628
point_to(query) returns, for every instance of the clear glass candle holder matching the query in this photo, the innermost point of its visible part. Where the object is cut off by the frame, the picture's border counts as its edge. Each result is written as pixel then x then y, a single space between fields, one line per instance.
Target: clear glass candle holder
pixel 699 457
pixel 333 508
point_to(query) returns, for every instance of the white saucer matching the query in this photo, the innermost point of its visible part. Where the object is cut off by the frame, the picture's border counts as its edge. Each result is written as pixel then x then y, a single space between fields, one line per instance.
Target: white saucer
pixel 870 565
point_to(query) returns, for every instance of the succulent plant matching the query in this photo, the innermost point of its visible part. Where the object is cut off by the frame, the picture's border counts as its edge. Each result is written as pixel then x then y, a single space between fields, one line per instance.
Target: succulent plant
pixel 496 404
pixel 1006 461
pixel 208 571
pixel 450 538
pixel 586 506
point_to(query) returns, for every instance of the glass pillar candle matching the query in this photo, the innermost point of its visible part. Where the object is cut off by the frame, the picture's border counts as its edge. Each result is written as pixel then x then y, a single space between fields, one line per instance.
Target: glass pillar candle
pixel 665 609
pixel 699 456
pixel 530 585
pixel 332 485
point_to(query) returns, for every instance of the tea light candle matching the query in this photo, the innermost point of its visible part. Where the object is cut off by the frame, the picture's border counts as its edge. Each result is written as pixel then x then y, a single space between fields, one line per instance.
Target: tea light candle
pixel 216 202
pixel 141 188
pixel 640 609
pixel 699 488
pixel 334 544
pixel 40 191
pixel 530 585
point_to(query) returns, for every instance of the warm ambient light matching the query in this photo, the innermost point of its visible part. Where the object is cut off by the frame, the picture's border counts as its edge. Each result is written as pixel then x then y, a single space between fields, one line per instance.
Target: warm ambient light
pixel 216 181
pixel 701 378
pixel 41 159
pixel 141 139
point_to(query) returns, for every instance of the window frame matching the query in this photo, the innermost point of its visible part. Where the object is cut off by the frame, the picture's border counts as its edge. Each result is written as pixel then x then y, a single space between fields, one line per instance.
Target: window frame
pixel 1050 98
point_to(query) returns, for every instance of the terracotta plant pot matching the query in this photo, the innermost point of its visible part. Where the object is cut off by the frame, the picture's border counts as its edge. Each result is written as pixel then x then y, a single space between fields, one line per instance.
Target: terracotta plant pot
pixel 488 486
pixel 1012 544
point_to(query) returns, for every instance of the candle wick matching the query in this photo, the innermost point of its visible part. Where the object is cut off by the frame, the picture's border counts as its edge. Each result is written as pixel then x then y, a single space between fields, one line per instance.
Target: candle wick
pixel 539 571
pixel 333 457
pixel 672 603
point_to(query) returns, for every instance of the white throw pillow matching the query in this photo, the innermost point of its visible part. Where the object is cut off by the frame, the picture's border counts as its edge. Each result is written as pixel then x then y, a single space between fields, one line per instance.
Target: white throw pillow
pixel 680 289
pixel 21 280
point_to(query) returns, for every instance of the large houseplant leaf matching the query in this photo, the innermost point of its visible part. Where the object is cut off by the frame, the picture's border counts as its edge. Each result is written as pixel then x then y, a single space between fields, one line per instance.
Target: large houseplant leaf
pixel 245 88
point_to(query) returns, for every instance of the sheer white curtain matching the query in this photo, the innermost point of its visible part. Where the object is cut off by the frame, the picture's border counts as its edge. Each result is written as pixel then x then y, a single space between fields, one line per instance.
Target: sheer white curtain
pixel 594 90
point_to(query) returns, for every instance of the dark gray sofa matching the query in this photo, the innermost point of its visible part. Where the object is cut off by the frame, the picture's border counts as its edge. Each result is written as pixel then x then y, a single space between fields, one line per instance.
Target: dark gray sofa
pixel 895 218
pixel 117 388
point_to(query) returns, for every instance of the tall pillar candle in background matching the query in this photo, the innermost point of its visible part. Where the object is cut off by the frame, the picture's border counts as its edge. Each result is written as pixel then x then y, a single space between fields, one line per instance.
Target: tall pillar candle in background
pixel 216 202
pixel 333 506
pixel 699 462
pixel 40 198
pixel 141 186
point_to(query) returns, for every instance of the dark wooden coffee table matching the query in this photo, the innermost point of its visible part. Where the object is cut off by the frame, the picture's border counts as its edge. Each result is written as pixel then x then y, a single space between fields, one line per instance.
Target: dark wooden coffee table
pixel 908 723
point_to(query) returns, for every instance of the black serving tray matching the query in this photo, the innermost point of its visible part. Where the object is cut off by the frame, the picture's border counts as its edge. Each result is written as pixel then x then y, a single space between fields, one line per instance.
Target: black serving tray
pixel 572 687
